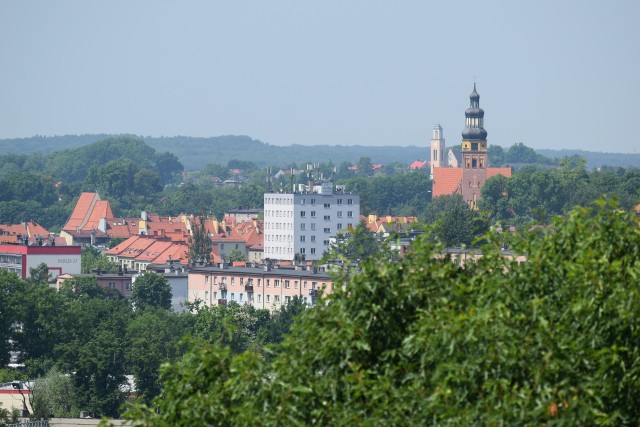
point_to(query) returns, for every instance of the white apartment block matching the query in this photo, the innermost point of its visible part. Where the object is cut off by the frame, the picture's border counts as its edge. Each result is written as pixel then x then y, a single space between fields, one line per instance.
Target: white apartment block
pixel 305 222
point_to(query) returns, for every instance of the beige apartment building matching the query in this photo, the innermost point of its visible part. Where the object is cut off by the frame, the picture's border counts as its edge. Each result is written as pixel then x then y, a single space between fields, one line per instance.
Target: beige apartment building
pixel 262 287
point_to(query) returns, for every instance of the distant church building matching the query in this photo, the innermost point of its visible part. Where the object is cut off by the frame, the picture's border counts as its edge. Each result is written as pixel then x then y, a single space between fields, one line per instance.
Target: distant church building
pixel 469 178
pixel 437 149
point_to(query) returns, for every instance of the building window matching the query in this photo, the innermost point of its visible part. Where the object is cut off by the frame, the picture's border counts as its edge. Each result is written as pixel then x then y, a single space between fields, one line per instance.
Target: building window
pixel 327 230
pixel 303 214
pixel 259 298
pixel 287 299
pixel 313 227
pixel 277 299
pixel 240 297
pixel 268 284
pixel 303 238
pixel 349 201
pixel 303 226
pixel 303 201
pixel 233 296
pixel 259 282
pixel 326 243
pixel 268 298
pixel 302 250
pixel 339 201
pixel 295 284
pixel 112 285
pixel 206 279
pixel 327 217
pixel 286 284
pixel 313 201
pixel 241 281
pixel 206 296
pixel 232 280
pixel 339 214
pixel 327 205
pixel 313 250
pixel 350 214
pixel 339 226
pixel 128 286
pixel 305 284
pixel 313 214
pixel 313 239
pixel 276 283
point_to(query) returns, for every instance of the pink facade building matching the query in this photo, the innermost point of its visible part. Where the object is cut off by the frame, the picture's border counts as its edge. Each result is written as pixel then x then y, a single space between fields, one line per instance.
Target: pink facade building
pixel 260 287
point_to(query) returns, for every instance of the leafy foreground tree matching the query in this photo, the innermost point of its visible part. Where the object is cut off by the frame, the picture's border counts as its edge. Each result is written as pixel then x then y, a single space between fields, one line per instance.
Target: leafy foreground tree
pixel 552 341
pixel 53 395
pixel 151 290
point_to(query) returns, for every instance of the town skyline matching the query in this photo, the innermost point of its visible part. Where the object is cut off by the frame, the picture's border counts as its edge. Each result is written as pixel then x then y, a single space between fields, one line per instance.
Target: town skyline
pixel 551 75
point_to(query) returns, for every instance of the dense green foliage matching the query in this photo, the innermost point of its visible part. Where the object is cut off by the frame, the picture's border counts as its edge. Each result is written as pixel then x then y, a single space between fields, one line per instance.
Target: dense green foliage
pixel 196 153
pixel 454 223
pixel 402 194
pixel 80 342
pixel 43 187
pixel 535 195
pixel 92 259
pixel 151 290
pixel 423 341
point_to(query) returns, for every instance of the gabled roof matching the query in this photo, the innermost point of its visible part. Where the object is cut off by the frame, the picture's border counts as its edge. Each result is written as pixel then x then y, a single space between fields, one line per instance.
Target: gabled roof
pixel 175 252
pixel 116 250
pixel 122 228
pixel 418 164
pixel 30 228
pixel 446 181
pixel 101 209
pixel 82 211
pixel 152 252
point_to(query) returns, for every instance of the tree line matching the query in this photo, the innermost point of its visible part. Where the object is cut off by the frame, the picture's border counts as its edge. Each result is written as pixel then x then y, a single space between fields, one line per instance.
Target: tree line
pixel 80 343
pixel 424 341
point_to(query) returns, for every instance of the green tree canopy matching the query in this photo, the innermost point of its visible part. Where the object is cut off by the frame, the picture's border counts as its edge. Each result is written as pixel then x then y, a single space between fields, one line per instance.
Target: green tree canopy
pixel 151 290
pixel 551 341
pixel 200 245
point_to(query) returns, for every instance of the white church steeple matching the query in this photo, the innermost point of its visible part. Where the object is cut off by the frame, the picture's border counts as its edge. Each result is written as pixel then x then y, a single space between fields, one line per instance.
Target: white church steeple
pixel 437 148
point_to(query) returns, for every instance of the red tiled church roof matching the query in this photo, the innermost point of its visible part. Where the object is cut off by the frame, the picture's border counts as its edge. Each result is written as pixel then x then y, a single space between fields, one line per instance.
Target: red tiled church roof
pixel 446 181
pixel 82 210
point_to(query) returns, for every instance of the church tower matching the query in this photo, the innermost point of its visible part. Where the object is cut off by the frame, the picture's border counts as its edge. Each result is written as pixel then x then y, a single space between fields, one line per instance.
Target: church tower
pixel 437 148
pixel 474 151
pixel 468 179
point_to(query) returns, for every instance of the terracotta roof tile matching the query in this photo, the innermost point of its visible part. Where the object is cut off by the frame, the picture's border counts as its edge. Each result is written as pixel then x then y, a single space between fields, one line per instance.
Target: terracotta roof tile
pixel 81 211
pixel 446 181
pixel 174 252
pixel 101 209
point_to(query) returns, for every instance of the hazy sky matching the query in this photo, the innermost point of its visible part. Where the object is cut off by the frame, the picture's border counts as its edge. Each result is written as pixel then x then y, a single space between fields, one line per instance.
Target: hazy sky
pixel 551 74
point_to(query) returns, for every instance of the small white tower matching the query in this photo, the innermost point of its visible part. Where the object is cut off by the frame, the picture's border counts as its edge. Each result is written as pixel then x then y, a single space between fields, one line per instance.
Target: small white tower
pixel 437 149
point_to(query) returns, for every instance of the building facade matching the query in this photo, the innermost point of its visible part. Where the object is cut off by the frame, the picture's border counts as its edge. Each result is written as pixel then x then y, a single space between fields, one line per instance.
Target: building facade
pixel 20 258
pixel 263 288
pixel 303 223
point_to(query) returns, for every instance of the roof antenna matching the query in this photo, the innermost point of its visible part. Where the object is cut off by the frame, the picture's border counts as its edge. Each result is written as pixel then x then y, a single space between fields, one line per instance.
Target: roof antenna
pixel 269 181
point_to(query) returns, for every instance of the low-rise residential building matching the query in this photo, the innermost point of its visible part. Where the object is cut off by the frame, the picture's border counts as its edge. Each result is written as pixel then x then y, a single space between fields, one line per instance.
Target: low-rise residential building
pixel 137 252
pixel 264 287
pixel 20 258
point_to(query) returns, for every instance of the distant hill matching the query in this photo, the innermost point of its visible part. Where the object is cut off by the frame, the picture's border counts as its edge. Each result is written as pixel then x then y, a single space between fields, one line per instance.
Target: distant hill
pixel 596 159
pixel 195 153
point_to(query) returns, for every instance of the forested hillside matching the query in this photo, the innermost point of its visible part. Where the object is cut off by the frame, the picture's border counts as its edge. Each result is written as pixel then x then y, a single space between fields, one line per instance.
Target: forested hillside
pixel 195 153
